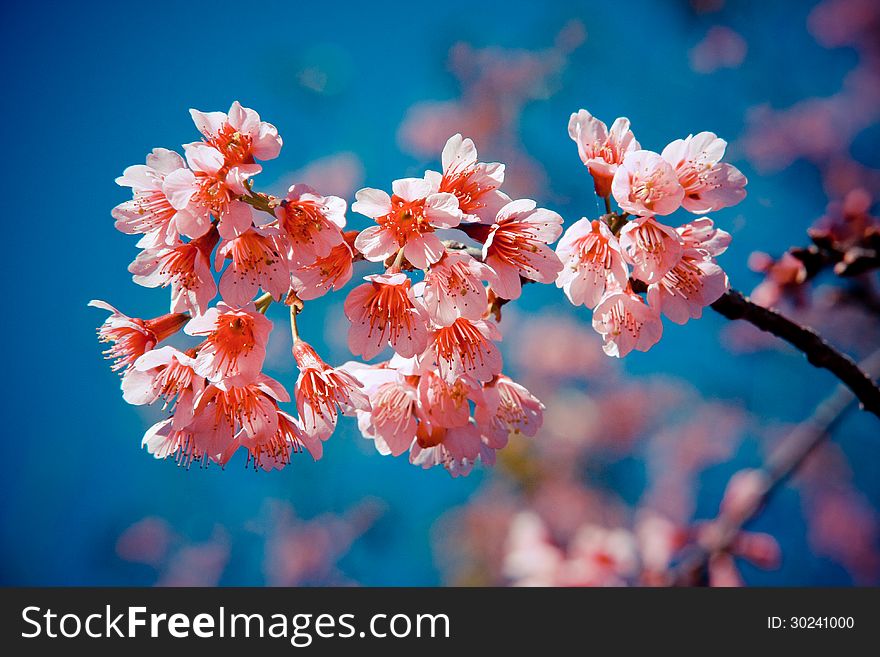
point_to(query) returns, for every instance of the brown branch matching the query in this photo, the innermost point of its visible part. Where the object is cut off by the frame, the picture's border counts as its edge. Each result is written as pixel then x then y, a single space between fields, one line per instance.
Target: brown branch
pixel 733 305
pixel 782 463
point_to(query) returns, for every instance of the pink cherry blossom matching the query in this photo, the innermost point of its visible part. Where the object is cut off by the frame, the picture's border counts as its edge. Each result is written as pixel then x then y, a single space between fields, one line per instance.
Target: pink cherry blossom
pixel 530 558
pixel 659 540
pixel 151 212
pixel 164 440
pixel 331 271
pixel 783 277
pixel 312 223
pixel 227 417
pixel 186 267
pixel 702 235
pixel 592 262
pixel 456 449
pixel 406 220
pixel 453 287
pixel 600 557
pixel 646 184
pixel 239 135
pixel 235 343
pixel 650 247
pixel 168 374
pixel 708 183
pixel 420 413
pixel 275 452
pixel 601 150
pixel 475 184
pixel 211 188
pixel 132 337
pixel 517 247
pixel 391 419
pixel 320 389
pixel 505 407
pixel 466 348
pixel 760 549
pixel 446 404
pixel 257 259
pixel 720 48
pixel 694 283
pixel 384 311
pixel 626 322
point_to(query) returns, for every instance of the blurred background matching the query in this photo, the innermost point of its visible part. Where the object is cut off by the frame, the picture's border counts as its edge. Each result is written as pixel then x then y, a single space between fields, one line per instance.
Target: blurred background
pixel 363 93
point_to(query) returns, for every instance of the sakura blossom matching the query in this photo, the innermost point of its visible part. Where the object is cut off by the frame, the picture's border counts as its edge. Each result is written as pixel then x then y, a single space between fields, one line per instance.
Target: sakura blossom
pixel 646 184
pixel 626 322
pixel 164 440
pixel 384 311
pixel 507 406
pixel 152 211
pixel 168 374
pixel 453 287
pixel 235 343
pixel 221 421
pixel 312 223
pixel 211 188
pixel 601 557
pixel 696 280
pixel 257 259
pixel 517 247
pixel 446 404
pixel 592 262
pixel 455 449
pixel 321 389
pixel 601 150
pixel 332 271
pixel 227 417
pixel 275 453
pixel 476 185
pixel 132 337
pixel 650 247
pixel 702 235
pixel 466 348
pixel 442 257
pixel 185 267
pixel 687 288
pixel 709 184
pixel 239 135
pixel 391 420
pixel 783 277
pixel 406 220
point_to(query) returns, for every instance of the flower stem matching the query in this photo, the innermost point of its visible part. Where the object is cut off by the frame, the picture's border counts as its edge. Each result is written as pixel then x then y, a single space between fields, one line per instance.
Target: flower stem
pixel 617 221
pixel 398 261
pixel 260 202
pixel 263 302
pixel 294 331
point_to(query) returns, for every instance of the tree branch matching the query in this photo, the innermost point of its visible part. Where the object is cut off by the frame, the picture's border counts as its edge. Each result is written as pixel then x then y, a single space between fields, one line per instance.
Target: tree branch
pixel 733 305
pixel 782 463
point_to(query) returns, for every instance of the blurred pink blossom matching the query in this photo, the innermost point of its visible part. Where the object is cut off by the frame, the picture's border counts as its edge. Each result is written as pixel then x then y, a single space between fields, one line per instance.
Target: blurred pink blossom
pixel 720 48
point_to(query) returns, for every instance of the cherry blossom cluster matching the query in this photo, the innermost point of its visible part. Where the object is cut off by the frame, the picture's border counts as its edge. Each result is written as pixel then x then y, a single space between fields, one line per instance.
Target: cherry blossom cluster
pixel 628 266
pixel 441 396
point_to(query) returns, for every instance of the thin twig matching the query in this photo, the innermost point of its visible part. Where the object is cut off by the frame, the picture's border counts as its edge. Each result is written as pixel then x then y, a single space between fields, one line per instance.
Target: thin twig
pixel 782 463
